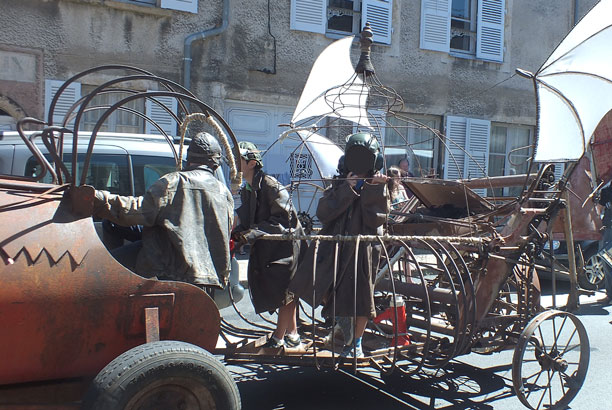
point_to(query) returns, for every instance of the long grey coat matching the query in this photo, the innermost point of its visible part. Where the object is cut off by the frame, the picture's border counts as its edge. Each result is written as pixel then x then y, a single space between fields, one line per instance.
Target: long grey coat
pixel 187 218
pixel 267 208
pixel 343 211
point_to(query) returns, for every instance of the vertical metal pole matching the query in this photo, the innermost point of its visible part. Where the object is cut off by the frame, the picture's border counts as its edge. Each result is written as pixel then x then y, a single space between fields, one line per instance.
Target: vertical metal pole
pixel 572 301
pixel 553 274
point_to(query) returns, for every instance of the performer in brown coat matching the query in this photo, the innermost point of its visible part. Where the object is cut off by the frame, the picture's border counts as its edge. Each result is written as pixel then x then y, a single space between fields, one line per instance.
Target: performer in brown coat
pixel 358 205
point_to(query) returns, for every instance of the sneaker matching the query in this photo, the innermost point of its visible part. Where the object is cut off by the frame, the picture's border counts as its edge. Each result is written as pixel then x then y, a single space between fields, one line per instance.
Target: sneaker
pixel 293 341
pixel 273 343
pixel 347 352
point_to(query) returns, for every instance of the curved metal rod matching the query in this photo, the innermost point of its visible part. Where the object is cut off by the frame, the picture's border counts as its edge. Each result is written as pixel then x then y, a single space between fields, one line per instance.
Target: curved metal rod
pixel 87 99
pixel 427 306
pixel 200 104
pixel 333 332
pixel 42 161
pixel 471 298
pixel 442 362
pixel 47 136
pixel 314 276
pixel 395 318
pixel 103 68
pixel 48 166
pixel 461 319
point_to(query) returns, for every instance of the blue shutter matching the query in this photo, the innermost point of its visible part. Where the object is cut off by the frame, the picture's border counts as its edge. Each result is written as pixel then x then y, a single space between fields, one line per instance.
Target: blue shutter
pixel 182 5
pixel 378 13
pixel 490 34
pixel 477 147
pixel 308 15
pixel 158 114
pixel 435 25
pixel 69 96
pixel 454 154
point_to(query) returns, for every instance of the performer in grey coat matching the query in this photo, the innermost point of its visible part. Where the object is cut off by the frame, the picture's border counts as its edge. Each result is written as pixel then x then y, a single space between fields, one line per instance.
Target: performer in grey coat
pixel 267 209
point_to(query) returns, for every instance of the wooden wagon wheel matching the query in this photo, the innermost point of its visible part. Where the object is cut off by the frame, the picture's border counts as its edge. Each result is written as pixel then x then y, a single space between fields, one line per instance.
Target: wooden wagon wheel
pixel 550 361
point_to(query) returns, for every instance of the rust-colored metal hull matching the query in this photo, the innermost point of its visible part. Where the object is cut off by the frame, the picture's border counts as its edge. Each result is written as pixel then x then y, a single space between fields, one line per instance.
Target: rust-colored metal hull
pixel 67 308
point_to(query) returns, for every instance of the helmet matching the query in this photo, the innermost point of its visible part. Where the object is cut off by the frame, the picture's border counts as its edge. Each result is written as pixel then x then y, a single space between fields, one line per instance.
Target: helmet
pixel 250 152
pixel 341 168
pixel 204 149
pixel 362 153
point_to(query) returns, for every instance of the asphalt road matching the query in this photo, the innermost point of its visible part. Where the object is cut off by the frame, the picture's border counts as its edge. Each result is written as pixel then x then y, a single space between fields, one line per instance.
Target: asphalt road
pixel 472 382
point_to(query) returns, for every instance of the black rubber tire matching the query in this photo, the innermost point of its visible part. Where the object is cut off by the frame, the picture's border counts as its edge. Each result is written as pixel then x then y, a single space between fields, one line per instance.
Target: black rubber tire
pixel 592 261
pixel 166 374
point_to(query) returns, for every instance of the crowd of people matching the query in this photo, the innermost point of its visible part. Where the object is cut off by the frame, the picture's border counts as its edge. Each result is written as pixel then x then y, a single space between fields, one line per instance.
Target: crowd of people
pixel 187 217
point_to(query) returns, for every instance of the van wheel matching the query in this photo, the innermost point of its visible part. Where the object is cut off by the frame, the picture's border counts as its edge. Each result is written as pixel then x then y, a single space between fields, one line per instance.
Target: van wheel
pixel 163 375
pixel 592 276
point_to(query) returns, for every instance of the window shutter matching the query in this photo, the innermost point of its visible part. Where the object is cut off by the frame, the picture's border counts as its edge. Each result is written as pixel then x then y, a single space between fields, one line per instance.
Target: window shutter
pixel 309 15
pixel 378 13
pixel 477 144
pixel 182 5
pixel 490 34
pixel 435 25
pixel 454 155
pixel 559 169
pixel 68 97
pixel 158 114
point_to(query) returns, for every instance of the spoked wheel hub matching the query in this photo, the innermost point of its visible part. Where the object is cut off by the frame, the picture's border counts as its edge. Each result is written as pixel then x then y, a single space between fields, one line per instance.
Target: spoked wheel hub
pixel 550 360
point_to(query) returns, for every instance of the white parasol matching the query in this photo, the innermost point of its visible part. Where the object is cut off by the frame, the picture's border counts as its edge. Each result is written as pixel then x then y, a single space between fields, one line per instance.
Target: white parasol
pixel 574 88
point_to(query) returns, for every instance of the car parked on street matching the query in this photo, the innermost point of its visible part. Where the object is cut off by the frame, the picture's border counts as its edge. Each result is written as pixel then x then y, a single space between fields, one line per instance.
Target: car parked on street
pixel 121 163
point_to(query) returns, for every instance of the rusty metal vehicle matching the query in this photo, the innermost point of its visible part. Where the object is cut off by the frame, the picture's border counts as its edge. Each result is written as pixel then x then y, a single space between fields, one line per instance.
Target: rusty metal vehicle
pixel 69 310
pixel 448 284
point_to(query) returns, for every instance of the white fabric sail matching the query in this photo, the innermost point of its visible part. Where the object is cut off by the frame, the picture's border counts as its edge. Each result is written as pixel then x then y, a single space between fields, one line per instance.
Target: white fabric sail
pixel 574 88
pixel 333 88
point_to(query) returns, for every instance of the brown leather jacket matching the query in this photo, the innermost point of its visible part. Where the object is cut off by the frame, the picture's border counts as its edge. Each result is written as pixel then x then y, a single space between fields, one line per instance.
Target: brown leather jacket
pixel 186 218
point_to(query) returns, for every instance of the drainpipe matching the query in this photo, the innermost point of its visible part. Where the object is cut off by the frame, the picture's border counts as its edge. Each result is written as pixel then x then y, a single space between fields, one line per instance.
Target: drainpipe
pixel 202 35
pixel 575 12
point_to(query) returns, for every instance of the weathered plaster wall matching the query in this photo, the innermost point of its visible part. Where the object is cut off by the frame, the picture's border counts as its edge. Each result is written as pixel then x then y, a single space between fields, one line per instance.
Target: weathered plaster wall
pixel 243 64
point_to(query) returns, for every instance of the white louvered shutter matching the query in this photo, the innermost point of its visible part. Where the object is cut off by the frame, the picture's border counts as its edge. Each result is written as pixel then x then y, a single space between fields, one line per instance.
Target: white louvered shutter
pixel 477 145
pixel 435 25
pixel 68 97
pixel 378 13
pixel 308 15
pixel 490 30
pixel 158 114
pixel 182 5
pixel 454 154
pixel 559 169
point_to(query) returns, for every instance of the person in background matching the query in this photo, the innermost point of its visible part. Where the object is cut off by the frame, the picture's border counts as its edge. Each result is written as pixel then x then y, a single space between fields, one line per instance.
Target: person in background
pixel 186 218
pixel 404 166
pixel 267 209
pixel 397 192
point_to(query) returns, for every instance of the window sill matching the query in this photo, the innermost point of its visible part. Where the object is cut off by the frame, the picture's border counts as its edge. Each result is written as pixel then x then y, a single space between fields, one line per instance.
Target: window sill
pixel 121 5
pixel 336 36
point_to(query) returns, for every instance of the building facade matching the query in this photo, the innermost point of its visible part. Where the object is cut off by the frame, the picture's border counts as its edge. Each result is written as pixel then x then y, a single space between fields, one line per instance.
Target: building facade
pixel 452 61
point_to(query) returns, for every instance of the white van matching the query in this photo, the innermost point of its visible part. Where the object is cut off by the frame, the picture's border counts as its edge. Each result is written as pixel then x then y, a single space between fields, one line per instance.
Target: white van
pixel 121 163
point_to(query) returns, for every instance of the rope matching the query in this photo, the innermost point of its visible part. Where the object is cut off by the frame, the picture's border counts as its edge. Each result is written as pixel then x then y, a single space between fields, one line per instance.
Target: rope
pixel 235 176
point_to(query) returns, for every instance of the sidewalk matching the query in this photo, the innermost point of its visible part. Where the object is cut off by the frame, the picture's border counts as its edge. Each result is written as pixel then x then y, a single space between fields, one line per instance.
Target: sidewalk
pixel 243 263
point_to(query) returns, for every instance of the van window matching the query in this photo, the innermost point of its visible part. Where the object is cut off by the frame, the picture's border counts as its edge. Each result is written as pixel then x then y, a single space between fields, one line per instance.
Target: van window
pixel 148 169
pixel 109 172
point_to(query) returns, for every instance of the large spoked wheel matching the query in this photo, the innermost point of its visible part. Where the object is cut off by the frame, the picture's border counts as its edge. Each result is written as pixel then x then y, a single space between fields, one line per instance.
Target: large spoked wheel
pixel 163 375
pixel 550 360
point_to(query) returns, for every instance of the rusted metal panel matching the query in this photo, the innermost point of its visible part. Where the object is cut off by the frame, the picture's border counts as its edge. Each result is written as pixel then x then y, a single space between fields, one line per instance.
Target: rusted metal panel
pixel 70 307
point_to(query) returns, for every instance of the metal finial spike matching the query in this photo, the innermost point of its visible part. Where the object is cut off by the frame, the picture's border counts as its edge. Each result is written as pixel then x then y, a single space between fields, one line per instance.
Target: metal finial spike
pixel 364 66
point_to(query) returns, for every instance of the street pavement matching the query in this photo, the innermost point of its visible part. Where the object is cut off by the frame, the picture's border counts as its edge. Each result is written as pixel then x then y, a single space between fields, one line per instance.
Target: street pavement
pixel 471 382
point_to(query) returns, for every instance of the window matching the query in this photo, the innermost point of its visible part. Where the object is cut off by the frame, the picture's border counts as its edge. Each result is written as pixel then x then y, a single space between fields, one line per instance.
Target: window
pixel 463 26
pixel 343 17
pixel 190 6
pixel 510 149
pixel 109 172
pixel 120 120
pixel 148 169
pixel 415 142
pixel 473 28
